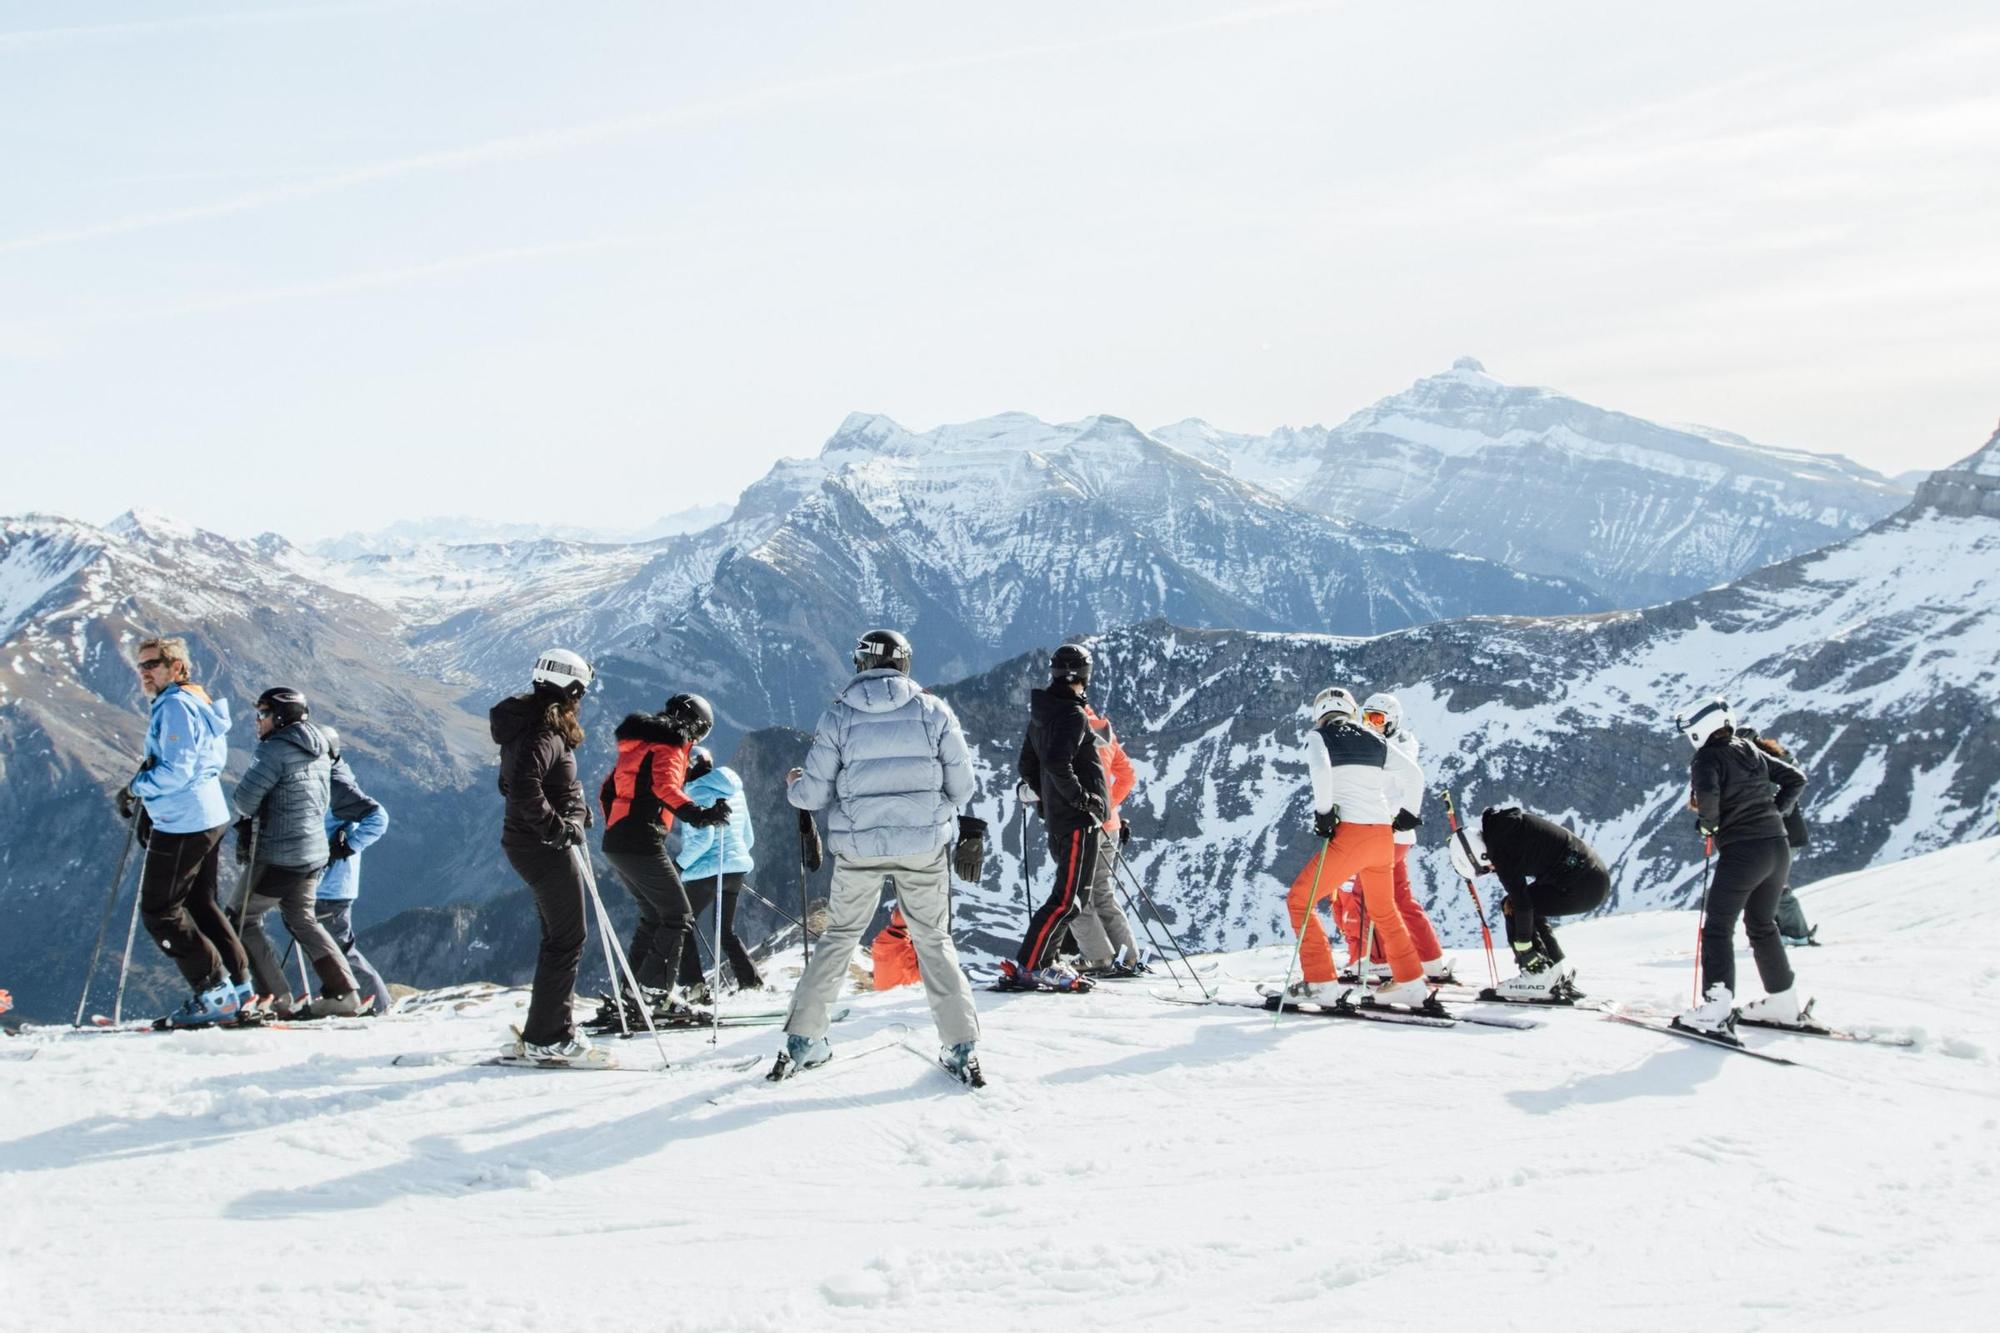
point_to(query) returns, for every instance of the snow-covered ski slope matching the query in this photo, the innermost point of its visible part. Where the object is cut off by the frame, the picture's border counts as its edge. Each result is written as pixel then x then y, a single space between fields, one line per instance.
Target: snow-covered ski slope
pixel 1133 1163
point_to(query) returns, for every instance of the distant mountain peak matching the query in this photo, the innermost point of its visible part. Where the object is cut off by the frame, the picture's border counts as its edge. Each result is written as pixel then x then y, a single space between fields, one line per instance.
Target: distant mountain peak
pixel 1470 365
pixel 141 522
pixel 1968 487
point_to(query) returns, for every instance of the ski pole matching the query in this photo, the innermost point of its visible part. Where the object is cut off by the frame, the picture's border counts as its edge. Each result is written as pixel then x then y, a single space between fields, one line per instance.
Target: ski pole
pixel 1118 863
pixel 715 990
pixel 1701 917
pixel 1147 926
pixel 104 922
pixel 805 896
pixel 615 960
pixel 752 891
pixel 1027 893
pixel 1299 944
pixel 1485 932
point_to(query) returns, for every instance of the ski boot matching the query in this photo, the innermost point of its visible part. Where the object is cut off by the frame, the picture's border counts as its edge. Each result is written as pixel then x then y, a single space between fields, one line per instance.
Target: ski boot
pixel 215 1005
pixel 1325 993
pixel 1057 977
pixel 962 1064
pixel 1713 1017
pixel 1440 972
pixel 574 1051
pixel 1540 978
pixel 1365 973
pixel 799 1053
pixel 336 1006
pixel 1412 994
pixel 1782 1009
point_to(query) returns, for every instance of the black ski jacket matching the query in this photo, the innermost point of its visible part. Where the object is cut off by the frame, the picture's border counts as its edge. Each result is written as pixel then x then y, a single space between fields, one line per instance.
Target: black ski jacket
pixel 1524 846
pixel 1059 760
pixel 1740 792
pixel 537 773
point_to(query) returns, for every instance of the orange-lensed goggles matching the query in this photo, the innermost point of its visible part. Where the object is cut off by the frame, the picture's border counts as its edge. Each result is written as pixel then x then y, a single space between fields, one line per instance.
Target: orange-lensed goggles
pixel 1377 716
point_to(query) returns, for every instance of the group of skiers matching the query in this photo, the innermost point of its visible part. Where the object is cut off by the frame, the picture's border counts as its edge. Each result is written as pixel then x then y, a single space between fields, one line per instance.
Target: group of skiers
pixel 890 771
pixel 301 821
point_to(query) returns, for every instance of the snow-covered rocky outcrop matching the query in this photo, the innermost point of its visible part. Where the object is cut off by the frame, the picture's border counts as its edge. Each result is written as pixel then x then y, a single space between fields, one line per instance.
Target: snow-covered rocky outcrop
pixel 1542 482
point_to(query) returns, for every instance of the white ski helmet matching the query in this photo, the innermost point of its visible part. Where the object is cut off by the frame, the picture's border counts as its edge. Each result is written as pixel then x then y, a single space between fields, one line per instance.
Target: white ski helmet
pixel 1333 702
pixel 1703 718
pixel 560 669
pixel 1389 706
pixel 1468 853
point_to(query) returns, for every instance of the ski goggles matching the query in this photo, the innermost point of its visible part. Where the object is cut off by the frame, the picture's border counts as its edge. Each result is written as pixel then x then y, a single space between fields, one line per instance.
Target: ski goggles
pixel 1375 717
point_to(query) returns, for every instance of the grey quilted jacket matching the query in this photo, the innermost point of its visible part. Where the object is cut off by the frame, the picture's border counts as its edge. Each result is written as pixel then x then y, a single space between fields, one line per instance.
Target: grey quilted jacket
pixel 287 789
pixel 889 766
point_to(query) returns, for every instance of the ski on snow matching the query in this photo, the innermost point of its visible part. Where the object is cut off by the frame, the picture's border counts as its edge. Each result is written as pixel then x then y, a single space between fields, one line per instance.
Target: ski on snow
pixel 1715 1039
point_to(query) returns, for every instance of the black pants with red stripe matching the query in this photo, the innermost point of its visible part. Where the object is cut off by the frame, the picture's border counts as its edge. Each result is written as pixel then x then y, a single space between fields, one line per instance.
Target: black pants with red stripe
pixel 1074 852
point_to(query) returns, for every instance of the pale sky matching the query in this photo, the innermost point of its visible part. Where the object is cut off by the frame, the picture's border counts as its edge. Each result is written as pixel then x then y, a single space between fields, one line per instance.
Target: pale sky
pixel 315 267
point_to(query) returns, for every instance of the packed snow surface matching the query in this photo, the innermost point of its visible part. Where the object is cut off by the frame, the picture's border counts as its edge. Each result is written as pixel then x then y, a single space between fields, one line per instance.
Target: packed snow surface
pixel 1133 1163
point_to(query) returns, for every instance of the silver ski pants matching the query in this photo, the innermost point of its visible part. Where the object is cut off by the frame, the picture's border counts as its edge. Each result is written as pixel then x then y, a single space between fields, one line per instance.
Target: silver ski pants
pixel 1099 927
pixel 922 891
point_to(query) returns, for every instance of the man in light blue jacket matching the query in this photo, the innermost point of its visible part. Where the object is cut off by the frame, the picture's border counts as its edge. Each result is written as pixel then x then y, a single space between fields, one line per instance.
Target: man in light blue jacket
pixel 354 821
pixel 712 852
pixel 890 767
pixel 187 743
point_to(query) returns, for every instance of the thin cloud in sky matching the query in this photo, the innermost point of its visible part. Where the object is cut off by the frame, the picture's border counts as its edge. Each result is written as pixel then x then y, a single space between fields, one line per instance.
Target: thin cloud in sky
pixel 40 39
pixel 558 140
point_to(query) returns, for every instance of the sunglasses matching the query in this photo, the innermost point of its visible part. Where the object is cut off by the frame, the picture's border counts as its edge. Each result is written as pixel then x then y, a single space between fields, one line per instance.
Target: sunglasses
pixel 152 664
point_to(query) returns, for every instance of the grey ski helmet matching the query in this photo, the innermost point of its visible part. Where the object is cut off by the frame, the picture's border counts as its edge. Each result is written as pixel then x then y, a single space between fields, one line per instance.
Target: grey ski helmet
pixel 881 649
pixel 1070 665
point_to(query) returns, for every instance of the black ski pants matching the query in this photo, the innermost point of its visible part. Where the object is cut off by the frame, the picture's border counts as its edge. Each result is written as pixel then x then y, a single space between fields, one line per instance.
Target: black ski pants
pixel 659 949
pixel 177 903
pixel 1581 886
pixel 1750 876
pixel 553 876
pixel 701 897
pixel 1074 852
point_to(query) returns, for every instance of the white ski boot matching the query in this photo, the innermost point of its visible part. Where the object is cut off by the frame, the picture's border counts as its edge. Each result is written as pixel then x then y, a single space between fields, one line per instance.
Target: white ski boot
pixel 961 1061
pixel 576 1052
pixel 1440 972
pixel 1533 981
pixel 1315 992
pixel 1715 1016
pixel 336 1006
pixel 1412 994
pixel 1783 1008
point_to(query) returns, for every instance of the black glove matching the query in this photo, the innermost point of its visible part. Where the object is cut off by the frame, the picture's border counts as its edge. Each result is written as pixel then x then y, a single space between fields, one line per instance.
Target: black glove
pixel 143 830
pixel 970 857
pixel 705 816
pixel 572 834
pixel 1124 831
pixel 1093 805
pixel 128 804
pixel 811 852
pixel 246 836
pixel 587 819
pixel 1405 821
pixel 1326 823
pixel 336 846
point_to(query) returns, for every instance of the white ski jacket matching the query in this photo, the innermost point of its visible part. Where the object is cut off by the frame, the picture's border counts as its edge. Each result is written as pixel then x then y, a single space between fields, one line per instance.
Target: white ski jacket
pixel 1411 792
pixel 1354 770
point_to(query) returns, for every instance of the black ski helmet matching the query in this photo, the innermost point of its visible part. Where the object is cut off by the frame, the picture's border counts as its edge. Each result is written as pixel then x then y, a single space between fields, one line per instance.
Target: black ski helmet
pixel 690 715
pixel 283 705
pixel 1070 665
pixel 700 761
pixel 881 648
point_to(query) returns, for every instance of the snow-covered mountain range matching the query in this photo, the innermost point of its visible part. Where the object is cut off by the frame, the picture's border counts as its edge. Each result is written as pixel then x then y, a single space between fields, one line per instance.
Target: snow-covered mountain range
pixel 1877 660
pixel 1532 478
pixel 985 541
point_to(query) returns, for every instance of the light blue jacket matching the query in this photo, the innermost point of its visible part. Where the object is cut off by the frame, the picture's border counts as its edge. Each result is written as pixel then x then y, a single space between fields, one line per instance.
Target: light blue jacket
pixel 187 740
pixel 365 821
pixel 889 766
pixel 697 854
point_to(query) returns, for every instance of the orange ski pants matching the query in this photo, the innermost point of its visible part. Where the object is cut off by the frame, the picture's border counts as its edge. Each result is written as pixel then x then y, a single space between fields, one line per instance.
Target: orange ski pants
pixel 1353 921
pixel 1366 853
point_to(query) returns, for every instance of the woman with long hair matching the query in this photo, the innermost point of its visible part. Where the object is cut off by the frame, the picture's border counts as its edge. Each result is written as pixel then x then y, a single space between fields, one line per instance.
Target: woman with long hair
pixel 542 834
